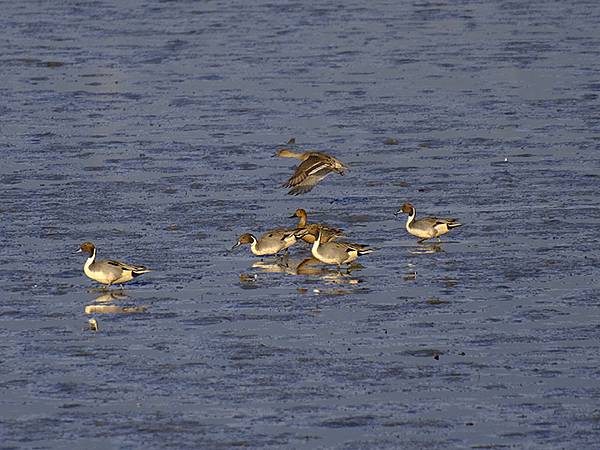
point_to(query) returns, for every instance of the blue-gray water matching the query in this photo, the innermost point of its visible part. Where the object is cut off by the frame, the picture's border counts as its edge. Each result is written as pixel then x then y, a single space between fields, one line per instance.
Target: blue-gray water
pixel 148 128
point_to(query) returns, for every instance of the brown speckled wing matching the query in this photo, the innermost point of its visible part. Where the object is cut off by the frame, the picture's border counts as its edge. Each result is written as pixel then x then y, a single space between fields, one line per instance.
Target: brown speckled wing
pixel 306 185
pixel 314 167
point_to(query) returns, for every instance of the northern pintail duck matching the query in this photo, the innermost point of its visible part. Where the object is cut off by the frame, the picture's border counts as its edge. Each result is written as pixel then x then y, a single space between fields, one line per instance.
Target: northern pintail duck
pixel 329 233
pixel 270 243
pixel 314 167
pixel 426 227
pixel 108 271
pixel 337 252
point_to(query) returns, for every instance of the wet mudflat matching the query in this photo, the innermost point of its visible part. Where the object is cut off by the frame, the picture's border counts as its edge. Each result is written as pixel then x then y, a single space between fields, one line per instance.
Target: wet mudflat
pixel 148 128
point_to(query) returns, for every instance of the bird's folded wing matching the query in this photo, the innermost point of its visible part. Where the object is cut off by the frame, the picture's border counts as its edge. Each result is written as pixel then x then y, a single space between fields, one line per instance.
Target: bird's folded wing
pixel 447 220
pixel 126 266
pixel 315 227
pixel 426 222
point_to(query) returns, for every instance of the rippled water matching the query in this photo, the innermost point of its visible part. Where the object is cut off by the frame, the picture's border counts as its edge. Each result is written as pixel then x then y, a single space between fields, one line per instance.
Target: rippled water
pixel 148 128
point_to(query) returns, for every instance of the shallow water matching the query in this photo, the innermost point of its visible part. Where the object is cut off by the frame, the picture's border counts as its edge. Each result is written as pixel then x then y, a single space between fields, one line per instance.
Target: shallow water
pixel 147 128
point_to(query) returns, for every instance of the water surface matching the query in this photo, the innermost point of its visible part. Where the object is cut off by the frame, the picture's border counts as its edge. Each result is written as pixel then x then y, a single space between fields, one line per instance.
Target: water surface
pixel 148 128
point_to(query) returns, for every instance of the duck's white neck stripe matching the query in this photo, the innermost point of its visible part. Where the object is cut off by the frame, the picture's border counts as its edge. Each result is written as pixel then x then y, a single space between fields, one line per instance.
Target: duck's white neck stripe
pixel 411 217
pixel 253 245
pixel 317 241
pixel 91 259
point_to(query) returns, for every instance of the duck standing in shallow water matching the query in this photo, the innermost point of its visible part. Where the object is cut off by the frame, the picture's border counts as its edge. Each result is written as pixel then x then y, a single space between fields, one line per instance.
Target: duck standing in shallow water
pixel 108 271
pixel 312 229
pixel 314 167
pixel 270 243
pixel 426 227
pixel 337 252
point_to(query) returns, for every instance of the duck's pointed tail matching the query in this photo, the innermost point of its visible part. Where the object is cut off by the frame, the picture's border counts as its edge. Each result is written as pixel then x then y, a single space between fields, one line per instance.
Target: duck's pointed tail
pixel 139 270
pixel 365 251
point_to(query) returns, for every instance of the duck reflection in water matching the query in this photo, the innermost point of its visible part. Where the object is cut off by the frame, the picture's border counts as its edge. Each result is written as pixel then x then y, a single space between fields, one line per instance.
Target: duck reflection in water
pixel 107 296
pixel 291 266
pixel 103 304
pixel 307 266
pixel 425 248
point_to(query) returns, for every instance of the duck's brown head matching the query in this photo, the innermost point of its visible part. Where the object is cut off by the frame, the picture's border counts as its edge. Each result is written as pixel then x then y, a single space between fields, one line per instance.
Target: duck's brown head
pixel 287 153
pixel 407 208
pixel 246 238
pixel 299 213
pixel 87 247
